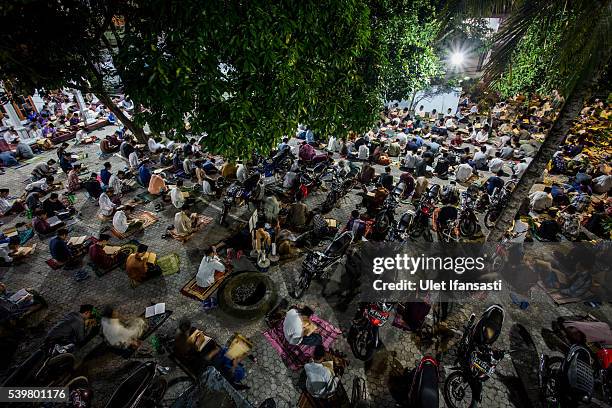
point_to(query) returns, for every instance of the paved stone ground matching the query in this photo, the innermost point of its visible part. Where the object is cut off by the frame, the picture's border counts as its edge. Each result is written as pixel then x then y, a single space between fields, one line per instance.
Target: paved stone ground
pixel 268 376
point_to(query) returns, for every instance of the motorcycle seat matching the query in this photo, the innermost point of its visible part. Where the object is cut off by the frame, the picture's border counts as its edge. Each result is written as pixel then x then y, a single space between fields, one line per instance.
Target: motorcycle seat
pixel 338 246
pixel 428 390
pixel 132 388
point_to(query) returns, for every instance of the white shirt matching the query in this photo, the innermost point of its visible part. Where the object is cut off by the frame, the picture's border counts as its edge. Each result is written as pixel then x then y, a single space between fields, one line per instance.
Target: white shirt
pixel 480 157
pixel 402 138
pixel 463 172
pixel 206 272
pixel 292 327
pixel 482 136
pixel 496 164
pixel 5 205
pixel 116 183
pixel 241 172
pixel 331 144
pixel 410 160
pixel 187 166
pixel 540 200
pixel 80 135
pixel 40 184
pixel 106 205
pixel 120 222
pixel 207 188
pixel 133 160
pixel 5 255
pixel 153 145
pixel 602 184
pixel 520 169
pixel 363 153
pixel 176 196
pixel 449 123
pixel 320 382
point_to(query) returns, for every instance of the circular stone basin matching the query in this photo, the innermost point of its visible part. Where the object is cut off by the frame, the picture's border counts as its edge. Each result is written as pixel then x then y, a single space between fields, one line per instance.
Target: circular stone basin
pixel 247 295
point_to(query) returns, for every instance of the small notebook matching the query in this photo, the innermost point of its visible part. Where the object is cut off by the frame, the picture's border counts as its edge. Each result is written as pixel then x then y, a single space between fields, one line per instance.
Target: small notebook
pixel 155 310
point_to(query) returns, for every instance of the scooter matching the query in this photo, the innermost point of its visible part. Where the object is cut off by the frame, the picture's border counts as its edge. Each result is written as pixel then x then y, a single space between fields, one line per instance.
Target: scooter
pixel 363 335
pixel 476 359
pixel 143 387
pixel 317 264
pixel 423 391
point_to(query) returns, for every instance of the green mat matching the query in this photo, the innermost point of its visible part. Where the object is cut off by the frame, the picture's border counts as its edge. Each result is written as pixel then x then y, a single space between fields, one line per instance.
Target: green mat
pixel 169 264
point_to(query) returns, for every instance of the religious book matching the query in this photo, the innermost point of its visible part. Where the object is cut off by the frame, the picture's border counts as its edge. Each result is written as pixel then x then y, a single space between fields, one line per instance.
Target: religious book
pixel 53 221
pixel 11 232
pixel 111 250
pixel 239 347
pixel 77 240
pixel 154 310
pixel 331 222
pixel 17 296
pixel 151 257
pixel 23 251
pixel 185 194
pixel 199 339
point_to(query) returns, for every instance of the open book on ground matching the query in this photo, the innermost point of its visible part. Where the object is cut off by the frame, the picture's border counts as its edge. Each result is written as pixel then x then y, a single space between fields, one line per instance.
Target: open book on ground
pixel 112 250
pixel 77 240
pixel 155 310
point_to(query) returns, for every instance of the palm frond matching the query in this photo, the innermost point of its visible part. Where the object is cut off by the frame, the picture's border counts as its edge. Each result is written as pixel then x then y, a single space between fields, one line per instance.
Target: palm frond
pixel 513 30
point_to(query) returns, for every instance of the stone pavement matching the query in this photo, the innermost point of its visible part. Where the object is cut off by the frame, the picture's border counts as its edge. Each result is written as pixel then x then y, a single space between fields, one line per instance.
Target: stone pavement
pixel 267 376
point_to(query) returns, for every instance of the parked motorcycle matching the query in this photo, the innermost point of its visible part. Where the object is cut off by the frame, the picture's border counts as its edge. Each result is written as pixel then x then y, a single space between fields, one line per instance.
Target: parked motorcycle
pixel 497 202
pixel 476 359
pixel 143 387
pixel 363 335
pixel 423 391
pixel 399 231
pixel 468 223
pixel 566 381
pixel 251 191
pixel 46 367
pixel 317 264
pixel 340 187
pixel 419 221
pixel 385 218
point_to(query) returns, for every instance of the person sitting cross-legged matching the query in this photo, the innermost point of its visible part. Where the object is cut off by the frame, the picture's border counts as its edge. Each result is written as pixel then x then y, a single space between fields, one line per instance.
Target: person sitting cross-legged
pixel 122 225
pixel 100 258
pixel 41 225
pixel 321 380
pixel 138 267
pixel 299 329
pixel 64 253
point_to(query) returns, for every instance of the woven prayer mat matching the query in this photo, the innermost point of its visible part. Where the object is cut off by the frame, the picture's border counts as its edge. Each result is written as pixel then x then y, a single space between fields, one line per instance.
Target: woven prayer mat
pixel 191 290
pixel 202 222
pixel 169 264
pixel 296 356
pixel 147 218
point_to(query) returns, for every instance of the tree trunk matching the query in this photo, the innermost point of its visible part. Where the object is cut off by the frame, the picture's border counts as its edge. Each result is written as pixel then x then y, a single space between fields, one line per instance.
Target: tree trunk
pixel 137 131
pixel 568 113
